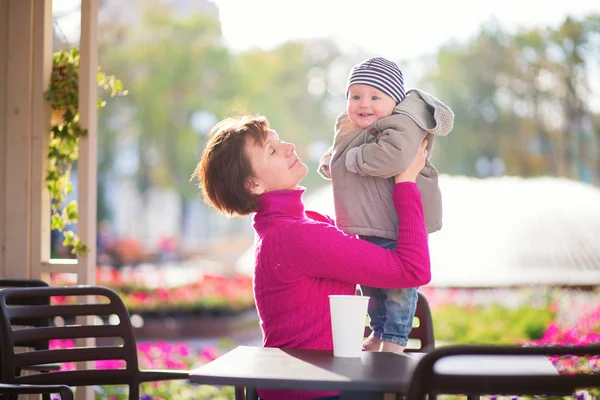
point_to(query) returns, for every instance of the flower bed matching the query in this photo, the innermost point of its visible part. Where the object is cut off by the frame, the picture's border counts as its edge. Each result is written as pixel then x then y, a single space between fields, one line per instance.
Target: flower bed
pixel 526 316
pixel 585 331
pixel 148 292
pixel 541 317
pixel 160 355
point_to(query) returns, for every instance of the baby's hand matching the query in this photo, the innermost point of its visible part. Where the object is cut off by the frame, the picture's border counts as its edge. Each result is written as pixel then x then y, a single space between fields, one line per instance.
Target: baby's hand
pixel 344 124
pixel 325 171
pixel 324 162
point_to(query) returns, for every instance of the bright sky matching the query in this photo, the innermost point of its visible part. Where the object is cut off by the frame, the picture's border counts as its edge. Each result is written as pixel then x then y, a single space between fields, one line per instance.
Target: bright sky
pixel 392 28
pixel 395 29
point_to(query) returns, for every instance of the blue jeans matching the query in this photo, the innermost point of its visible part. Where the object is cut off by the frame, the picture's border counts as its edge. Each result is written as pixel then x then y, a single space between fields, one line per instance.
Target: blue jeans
pixel 391 310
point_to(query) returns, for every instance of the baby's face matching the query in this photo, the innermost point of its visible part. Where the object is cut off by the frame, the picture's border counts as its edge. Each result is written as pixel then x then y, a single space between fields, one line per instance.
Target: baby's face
pixel 367 104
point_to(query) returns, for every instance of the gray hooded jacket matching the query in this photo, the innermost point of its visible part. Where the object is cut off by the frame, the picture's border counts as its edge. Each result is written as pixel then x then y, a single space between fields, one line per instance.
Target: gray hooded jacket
pixel 362 163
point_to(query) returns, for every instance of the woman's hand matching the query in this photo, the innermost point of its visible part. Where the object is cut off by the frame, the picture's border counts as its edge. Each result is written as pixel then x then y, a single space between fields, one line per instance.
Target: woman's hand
pixel 411 173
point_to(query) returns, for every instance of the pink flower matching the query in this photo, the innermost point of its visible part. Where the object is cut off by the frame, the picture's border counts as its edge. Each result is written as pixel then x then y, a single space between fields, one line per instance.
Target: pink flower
pixel 551 334
pixel 144 347
pixel 68 366
pixel 209 353
pixel 110 364
pixel 183 349
pixel 164 347
pixel 163 294
pixel 174 364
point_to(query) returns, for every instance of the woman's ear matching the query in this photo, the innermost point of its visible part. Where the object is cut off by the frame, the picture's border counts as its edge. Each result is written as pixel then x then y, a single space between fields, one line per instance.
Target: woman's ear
pixel 254 186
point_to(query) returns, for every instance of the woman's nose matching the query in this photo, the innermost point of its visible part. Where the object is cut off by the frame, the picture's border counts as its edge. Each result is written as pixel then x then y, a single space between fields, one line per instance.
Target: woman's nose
pixel 290 147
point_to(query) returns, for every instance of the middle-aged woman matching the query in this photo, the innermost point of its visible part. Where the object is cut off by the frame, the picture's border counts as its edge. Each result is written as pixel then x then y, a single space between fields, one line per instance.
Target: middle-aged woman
pixel 301 257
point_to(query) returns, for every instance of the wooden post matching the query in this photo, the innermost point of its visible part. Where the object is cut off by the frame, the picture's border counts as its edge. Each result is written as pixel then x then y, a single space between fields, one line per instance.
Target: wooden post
pixel 3 132
pixel 17 168
pixel 88 157
pixel 40 196
pixel 88 151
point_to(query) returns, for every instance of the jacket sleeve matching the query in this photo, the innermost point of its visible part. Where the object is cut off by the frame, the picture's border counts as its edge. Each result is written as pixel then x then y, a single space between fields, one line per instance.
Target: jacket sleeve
pixel 342 125
pixel 399 140
pixel 321 250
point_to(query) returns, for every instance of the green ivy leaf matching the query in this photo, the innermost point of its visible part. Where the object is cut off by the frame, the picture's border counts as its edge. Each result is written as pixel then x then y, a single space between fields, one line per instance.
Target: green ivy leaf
pixel 63 148
pixel 56 223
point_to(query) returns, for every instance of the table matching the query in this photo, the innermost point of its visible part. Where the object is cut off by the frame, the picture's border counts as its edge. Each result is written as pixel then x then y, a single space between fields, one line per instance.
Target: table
pixel 367 377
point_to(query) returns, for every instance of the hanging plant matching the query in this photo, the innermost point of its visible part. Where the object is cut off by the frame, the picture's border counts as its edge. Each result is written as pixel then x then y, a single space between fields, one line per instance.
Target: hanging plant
pixel 63 151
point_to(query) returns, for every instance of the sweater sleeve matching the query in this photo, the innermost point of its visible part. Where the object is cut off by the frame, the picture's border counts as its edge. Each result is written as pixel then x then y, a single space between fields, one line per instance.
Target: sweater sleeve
pixel 319 217
pixel 321 250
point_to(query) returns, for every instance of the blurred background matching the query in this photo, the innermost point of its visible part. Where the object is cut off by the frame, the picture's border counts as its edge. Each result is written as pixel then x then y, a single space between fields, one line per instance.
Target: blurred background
pixel 523 81
pixel 520 172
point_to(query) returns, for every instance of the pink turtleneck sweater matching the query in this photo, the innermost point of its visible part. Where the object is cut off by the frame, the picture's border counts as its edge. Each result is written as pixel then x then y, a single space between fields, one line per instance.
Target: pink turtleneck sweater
pixel 302 258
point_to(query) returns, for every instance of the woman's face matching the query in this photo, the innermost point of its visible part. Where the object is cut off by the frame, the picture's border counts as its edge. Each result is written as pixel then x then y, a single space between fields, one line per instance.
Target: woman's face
pixel 275 165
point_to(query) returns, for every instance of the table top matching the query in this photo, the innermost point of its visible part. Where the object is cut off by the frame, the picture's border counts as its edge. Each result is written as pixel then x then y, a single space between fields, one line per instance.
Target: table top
pixel 320 370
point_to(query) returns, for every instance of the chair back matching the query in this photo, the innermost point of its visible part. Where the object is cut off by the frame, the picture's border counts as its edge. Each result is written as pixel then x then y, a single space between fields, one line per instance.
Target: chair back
pixel 422 333
pixel 64 391
pixel 18 305
pixel 426 380
pixel 7 283
pixel 12 283
pixel 29 283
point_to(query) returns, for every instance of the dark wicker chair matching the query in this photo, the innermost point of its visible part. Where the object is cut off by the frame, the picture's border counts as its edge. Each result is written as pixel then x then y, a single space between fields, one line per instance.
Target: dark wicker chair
pixel 427 381
pixel 423 333
pixel 8 283
pixel 12 283
pixel 65 392
pixel 109 304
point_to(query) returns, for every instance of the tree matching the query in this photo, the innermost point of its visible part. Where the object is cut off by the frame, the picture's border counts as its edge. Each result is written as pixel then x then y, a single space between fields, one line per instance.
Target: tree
pixel 522 96
pixel 182 79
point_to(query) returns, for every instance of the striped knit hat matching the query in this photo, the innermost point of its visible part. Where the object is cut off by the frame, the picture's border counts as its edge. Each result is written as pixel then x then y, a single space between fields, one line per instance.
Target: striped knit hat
pixel 380 73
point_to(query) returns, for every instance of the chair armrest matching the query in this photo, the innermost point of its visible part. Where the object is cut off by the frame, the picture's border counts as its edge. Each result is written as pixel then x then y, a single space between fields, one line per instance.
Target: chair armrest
pixel 43 367
pixel 65 392
pixel 163 375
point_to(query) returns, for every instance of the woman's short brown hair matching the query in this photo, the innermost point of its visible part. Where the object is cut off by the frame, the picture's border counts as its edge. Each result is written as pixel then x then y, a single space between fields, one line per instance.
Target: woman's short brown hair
pixel 224 168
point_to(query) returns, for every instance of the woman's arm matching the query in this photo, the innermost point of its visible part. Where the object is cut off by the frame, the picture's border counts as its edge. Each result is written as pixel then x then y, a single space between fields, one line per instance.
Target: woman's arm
pixel 319 217
pixel 321 250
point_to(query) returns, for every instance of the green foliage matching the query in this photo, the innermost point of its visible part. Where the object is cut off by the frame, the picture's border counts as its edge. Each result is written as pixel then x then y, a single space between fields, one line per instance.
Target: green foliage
pixel 520 96
pixel 494 324
pixel 496 83
pixel 63 150
pixel 176 67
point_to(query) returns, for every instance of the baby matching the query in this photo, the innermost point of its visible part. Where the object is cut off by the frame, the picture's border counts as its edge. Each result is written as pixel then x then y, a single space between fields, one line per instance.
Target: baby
pixel 376 138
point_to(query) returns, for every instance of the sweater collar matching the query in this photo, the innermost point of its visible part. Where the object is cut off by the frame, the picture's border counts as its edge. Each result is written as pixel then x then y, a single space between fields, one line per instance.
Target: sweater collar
pixel 281 203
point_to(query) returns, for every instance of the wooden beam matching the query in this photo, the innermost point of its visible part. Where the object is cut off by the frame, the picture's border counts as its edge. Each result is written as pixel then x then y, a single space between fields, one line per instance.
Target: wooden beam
pixel 17 206
pixel 88 147
pixel 40 196
pixel 3 131
pixel 60 265
pixel 88 156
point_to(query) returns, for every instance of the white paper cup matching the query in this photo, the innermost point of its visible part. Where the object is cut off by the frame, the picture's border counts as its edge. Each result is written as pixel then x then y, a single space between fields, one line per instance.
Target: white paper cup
pixel 348 318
